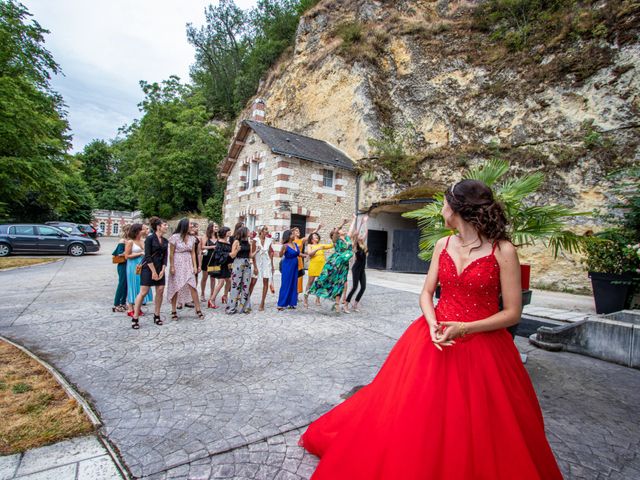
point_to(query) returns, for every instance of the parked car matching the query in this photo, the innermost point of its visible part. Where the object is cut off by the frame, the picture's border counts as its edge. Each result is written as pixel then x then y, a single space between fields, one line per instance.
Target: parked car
pixel 35 238
pixel 80 229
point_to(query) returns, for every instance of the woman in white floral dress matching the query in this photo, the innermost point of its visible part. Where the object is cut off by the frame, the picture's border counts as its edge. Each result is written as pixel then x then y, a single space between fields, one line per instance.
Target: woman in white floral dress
pixel 183 269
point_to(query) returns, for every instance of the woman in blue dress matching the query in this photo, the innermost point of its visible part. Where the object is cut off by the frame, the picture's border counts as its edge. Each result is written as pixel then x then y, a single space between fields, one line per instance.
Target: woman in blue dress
pixel 134 253
pixel 288 297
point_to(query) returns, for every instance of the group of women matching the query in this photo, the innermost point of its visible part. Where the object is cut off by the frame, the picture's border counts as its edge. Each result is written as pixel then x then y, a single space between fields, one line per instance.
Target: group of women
pixel 232 264
pixel 327 277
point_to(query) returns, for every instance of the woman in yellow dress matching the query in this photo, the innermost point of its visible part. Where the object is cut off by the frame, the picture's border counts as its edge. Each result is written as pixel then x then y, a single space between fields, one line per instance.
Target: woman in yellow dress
pixel 315 250
pixel 300 242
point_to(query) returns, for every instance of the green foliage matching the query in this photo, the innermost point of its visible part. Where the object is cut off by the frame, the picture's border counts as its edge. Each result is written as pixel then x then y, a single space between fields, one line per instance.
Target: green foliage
pixel 527 223
pixel 612 251
pixel 19 388
pixel 521 24
pixel 213 207
pixel 107 177
pixel 391 152
pixel 234 49
pixel 171 154
pixel 38 180
pixel 350 32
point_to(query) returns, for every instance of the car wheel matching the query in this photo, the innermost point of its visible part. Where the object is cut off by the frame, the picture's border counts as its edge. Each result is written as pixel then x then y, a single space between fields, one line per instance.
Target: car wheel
pixel 76 250
pixel 4 249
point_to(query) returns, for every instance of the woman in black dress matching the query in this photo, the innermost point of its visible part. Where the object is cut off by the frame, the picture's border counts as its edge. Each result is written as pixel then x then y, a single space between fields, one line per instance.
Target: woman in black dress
pixel 207 246
pixel 220 262
pixel 358 269
pixel 153 269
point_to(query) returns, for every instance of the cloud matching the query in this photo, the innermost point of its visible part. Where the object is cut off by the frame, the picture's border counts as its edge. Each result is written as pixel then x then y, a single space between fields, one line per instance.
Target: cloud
pixel 105 48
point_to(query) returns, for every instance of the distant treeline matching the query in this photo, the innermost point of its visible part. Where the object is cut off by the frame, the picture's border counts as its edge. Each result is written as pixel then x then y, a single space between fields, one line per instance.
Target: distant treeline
pixel 163 163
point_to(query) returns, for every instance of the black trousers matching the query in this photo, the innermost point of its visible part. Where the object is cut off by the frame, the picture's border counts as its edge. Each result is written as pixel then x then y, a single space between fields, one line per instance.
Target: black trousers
pixel 359 278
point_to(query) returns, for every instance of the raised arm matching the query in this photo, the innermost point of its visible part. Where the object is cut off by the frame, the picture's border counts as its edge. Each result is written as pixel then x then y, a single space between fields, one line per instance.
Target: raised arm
pixel 352 228
pixel 363 232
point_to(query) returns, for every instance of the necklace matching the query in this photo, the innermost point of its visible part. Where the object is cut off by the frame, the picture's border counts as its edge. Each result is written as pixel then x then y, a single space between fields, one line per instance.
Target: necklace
pixel 467 244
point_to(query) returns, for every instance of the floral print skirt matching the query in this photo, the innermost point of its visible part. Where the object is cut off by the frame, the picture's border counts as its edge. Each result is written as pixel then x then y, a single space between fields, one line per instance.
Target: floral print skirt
pixel 239 299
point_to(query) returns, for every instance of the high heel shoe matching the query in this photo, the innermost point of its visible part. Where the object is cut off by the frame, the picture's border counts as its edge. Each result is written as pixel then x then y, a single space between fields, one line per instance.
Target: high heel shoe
pixel 211 304
pixel 134 323
pixel 156 319
pixel 200 314
pixel 174 315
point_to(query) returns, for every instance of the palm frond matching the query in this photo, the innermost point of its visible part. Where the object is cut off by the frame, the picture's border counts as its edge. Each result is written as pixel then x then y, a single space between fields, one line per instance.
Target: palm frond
pixel 515 189
pixel 489 172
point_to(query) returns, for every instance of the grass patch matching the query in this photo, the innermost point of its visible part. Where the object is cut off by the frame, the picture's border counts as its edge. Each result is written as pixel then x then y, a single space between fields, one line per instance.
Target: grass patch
pixel 13 262
pixel 34 408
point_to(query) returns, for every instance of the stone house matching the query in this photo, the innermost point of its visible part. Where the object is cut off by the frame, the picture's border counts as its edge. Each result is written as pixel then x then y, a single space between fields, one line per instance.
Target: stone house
pixel 283 179
pixel 110 222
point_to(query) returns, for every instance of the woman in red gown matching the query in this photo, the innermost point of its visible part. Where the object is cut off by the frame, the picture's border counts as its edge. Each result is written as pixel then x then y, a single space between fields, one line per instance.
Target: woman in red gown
pixel 453 400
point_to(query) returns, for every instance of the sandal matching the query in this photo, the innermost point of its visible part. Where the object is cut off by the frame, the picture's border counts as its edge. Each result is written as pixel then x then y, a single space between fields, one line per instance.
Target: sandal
pixel 306 300
pixel 211 304
pixel 179 307
pixel 156 319
pixel 200 314
pixel 174 316
pixel 134 323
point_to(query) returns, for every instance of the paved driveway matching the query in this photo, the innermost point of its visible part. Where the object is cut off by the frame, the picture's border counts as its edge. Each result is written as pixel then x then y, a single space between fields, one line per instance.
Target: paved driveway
pixel 227 397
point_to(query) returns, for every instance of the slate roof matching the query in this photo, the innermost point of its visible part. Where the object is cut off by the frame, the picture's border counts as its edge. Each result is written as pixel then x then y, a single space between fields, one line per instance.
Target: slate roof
pixel 292 144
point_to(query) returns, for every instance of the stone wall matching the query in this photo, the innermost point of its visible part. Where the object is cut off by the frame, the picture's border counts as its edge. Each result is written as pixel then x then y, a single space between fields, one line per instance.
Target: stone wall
pixel 286 186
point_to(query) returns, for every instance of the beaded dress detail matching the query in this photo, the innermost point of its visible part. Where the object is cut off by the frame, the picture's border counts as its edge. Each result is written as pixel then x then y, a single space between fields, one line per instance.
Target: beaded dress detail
pixel 468 412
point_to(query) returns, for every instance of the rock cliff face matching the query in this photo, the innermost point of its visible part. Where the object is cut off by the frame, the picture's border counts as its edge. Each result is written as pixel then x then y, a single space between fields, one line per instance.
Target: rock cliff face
pixel 422 68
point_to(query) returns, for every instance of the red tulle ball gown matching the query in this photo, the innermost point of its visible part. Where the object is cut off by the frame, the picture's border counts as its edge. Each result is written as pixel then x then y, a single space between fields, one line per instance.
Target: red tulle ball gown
pixel 468 412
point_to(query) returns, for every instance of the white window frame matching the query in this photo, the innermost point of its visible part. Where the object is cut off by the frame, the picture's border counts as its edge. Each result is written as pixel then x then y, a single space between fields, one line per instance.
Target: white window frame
pixel 324 178
pixel 251 222
pixel 115 228
pixel 103 227
pixel 253 174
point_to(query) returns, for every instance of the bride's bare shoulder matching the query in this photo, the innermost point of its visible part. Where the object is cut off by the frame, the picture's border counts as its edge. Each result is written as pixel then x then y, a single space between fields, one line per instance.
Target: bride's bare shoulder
pixel 506 250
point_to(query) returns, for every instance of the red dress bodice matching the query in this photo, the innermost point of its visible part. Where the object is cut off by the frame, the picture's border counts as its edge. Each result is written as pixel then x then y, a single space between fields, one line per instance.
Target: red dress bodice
pixel 472 295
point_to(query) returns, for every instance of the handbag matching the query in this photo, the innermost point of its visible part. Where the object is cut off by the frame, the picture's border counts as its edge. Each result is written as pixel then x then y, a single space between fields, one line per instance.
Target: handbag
pixel 212 268
pixel 118 259
pixel 139 268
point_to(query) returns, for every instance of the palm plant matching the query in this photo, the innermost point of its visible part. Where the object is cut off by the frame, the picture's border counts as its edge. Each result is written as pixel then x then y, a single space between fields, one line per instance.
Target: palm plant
pixel 527 224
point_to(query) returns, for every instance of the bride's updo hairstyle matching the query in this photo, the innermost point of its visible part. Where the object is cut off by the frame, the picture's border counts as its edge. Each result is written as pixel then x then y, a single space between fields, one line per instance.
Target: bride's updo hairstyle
pixel 473 201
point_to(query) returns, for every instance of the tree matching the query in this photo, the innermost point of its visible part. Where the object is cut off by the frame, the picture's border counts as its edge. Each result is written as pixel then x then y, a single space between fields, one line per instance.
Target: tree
pixel 103 172
pixel 37 177
pixel 172 152
pixel 234 49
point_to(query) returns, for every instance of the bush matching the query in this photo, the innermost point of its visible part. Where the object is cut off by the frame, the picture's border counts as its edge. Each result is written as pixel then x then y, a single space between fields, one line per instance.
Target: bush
pixel 612 251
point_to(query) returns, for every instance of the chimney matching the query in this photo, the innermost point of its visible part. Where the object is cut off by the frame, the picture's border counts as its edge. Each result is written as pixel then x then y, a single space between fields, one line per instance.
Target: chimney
pixel 257 110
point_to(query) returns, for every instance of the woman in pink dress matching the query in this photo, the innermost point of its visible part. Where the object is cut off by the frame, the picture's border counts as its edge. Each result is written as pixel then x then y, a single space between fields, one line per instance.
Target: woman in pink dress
pixel 183 269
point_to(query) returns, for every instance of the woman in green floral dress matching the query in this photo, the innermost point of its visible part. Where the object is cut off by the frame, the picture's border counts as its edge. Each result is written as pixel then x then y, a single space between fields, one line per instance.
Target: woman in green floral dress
pixel 331 282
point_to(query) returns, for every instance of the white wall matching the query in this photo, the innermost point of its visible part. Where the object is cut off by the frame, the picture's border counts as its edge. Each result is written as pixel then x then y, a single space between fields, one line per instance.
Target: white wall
pixel 389 222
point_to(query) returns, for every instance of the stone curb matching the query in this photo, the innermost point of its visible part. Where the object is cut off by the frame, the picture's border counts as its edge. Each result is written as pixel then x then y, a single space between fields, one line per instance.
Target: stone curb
pixel 34 265
pixel 88 410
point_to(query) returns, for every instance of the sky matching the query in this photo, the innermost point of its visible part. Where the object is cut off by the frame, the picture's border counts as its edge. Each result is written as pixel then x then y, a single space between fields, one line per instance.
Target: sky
pixel 105 47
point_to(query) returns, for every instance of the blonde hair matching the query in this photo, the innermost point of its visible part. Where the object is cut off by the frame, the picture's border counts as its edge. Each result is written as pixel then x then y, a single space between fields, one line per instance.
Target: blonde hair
pixel 124 233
